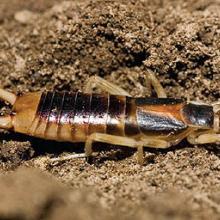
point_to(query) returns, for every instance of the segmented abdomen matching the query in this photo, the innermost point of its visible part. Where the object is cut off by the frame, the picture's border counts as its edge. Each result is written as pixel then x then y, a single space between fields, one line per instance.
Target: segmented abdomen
pixel 74 116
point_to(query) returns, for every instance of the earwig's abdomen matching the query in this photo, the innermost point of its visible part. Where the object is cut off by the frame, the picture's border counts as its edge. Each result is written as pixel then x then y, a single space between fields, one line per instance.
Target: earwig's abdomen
pixel 70 116
pixel 74 116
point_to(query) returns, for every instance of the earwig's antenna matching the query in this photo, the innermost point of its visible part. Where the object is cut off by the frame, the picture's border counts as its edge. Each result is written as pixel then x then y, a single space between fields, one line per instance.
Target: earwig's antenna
pixel 7 96
pixel 156 84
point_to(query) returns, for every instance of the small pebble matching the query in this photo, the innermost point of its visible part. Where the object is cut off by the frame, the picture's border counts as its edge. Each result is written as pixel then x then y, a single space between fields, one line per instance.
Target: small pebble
pixel 25 16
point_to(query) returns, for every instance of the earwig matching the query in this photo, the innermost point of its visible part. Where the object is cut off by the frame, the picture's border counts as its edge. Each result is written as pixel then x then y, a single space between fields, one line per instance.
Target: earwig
pixel 113 117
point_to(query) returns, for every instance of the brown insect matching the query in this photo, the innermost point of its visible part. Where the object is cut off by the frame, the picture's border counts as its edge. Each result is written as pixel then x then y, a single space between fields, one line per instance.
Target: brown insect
pixel 113 117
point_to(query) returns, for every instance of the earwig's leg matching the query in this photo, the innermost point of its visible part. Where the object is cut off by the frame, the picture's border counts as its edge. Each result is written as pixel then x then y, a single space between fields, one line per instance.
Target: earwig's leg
pixel 116 90
pixel 156 85
pixel 115 140
pixel 208 138
pixel 125 141
pixel 110 139
pixel 153 142
pixel 7 96
pixel 204 138
pixel 140 156
pixel 179 137
pixel 104 85
pixel 192 138
pixel 69 157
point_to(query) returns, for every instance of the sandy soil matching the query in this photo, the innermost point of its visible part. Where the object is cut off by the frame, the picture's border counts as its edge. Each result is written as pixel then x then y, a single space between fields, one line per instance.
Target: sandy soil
pixel 58 45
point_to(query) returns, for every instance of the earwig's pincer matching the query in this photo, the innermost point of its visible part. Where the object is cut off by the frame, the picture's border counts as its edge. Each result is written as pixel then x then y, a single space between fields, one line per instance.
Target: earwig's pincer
pixel 113 117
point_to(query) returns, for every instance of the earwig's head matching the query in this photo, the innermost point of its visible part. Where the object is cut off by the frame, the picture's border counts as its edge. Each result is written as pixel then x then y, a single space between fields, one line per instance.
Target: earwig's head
pixel 24 108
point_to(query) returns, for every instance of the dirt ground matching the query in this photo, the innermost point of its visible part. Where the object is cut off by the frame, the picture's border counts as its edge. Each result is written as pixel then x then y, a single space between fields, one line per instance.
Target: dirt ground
pixel 57 45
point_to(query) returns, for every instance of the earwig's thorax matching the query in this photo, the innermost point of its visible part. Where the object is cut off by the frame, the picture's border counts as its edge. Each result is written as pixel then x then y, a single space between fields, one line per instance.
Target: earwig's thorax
pixel 161 115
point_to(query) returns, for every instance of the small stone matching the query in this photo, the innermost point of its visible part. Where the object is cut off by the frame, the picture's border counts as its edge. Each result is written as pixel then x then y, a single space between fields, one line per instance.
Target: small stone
pixel 25 16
